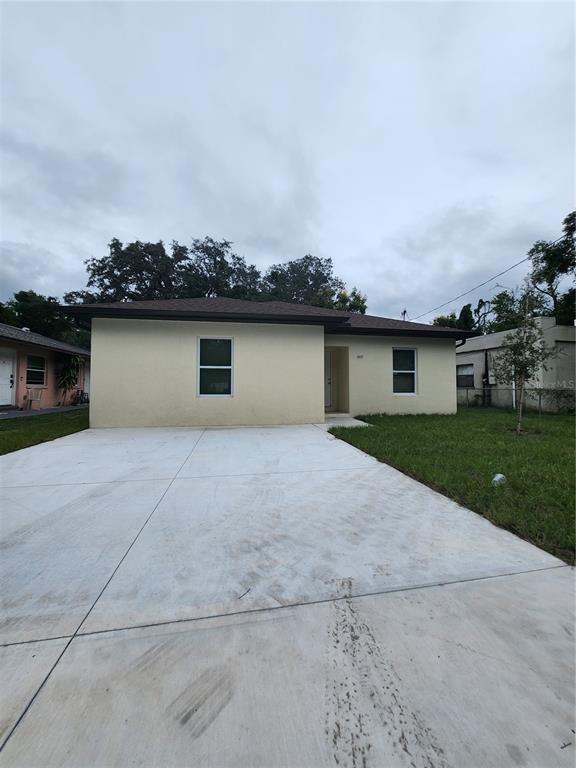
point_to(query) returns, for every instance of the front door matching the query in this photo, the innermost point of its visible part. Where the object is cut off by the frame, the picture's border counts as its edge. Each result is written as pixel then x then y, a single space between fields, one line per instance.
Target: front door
pixel 327 379
pixel 7 359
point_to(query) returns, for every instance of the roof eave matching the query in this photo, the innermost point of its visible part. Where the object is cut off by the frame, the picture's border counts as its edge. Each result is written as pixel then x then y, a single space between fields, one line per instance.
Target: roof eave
pixel 436 334
pixel 220 317
pixel 31 343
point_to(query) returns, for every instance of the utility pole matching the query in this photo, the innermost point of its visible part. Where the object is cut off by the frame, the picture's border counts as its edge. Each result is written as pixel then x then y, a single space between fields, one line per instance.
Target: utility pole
pixel 404 313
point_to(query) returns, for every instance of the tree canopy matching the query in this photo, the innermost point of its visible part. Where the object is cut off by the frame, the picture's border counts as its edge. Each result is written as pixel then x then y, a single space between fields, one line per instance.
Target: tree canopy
pixel 209 267
pixel 552 261
pixel 309 280
pixel 465 320
pixel 41 314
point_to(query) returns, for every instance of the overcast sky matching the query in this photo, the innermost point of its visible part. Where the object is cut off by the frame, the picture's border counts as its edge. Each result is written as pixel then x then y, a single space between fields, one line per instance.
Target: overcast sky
pixel 423 146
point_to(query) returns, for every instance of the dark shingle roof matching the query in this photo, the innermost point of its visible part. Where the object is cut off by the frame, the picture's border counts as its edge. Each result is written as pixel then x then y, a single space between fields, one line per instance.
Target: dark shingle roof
pixel 335 321
pixel 11 333
pixel 215 304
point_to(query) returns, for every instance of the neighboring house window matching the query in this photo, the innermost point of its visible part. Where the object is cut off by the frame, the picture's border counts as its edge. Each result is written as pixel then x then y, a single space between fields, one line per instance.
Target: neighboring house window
pixel 215 366
pixel 36 370
pixel 404 371
pixel 465 375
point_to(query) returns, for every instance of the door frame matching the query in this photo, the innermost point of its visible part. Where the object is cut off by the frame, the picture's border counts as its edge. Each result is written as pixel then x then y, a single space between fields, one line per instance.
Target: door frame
pixel 7 352
pixel 328 378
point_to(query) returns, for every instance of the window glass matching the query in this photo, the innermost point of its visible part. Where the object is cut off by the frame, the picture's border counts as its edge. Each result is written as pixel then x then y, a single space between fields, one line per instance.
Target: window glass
pixel 215 352
pixel 35 370
pixel 465 375
pixel 215 381
pixel 215 367
pixel 38 363
pixel 404 383
pixel 404 360
pixel 404 371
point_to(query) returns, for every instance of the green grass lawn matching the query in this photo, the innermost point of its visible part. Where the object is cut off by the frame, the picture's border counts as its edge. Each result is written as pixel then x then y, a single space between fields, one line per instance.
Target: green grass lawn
pixel 459 455
pixel 25 431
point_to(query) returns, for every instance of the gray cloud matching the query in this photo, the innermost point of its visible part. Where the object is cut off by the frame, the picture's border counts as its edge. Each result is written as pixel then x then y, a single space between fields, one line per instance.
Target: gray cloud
pixel 58 182
pixel 24 266
pixel 454 250
pixel 424 146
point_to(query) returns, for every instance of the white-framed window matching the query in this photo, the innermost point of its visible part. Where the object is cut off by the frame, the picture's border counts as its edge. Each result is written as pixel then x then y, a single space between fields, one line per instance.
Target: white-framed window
pixel 465 375
pixel 215 366
pixel 36 370
pixel 404 371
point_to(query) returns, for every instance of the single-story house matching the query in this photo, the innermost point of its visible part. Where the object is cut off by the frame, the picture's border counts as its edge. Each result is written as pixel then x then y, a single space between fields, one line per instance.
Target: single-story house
pixel 220 361
pixel 475 367
pixel 29 366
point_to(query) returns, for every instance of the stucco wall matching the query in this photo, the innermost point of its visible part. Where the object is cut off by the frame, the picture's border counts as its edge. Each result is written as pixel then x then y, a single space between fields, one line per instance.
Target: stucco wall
pixel 475 358
pixel 51 395
pixel 370 367
pixel 144 373
pixel 560 368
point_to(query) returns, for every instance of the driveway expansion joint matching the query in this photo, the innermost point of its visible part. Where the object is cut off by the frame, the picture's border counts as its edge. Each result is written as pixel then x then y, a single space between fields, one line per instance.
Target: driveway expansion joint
pixel 197 477
pixel 245 547
pixel 76 632
pixel 287 606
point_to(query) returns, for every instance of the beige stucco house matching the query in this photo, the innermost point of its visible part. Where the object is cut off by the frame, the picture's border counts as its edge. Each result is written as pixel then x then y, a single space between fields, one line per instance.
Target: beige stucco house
pixel 216 361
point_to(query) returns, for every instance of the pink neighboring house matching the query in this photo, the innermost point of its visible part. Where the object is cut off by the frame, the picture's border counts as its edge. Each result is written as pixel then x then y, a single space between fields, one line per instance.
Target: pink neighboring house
pixel 28 369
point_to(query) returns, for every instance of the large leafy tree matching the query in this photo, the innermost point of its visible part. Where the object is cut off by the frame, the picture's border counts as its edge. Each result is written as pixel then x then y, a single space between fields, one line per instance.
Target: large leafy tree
pixel 8 316
pixel 42 314
pixel 353 301
pixel 503 313
pixel 134 271
pixel 482 314
pixel 508 311
pixel 466 318
pixel 565 308
pixel 214 269
pixel 553 261
pixel 209 267
pixel 38 313
pixel 446 321
pixel 311 280
pixel 464 321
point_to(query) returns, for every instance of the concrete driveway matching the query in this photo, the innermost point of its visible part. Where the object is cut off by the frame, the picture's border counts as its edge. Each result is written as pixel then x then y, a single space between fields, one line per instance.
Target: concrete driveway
pixel 269 597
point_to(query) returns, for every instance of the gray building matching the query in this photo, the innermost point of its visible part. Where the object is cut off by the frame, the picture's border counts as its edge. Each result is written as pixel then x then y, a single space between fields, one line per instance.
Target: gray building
pixel 475 369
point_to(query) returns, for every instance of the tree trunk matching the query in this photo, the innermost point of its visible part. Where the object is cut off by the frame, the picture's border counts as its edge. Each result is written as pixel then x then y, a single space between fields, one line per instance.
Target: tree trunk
pixel 519 405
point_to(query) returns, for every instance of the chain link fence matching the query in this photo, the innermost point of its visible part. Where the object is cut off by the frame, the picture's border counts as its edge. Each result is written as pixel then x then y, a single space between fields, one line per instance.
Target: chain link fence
pixel 542 400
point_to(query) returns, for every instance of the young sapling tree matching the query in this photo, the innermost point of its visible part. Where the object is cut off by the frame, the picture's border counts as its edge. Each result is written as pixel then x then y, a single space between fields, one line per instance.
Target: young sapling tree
pixel 523 354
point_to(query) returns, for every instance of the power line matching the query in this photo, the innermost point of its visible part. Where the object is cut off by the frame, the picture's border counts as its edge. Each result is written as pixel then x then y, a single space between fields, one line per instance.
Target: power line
pixel 471 289
pixel 480 285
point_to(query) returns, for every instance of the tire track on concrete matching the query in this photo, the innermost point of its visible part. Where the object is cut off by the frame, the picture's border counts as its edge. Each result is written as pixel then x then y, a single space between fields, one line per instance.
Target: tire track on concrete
pixel 364 695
